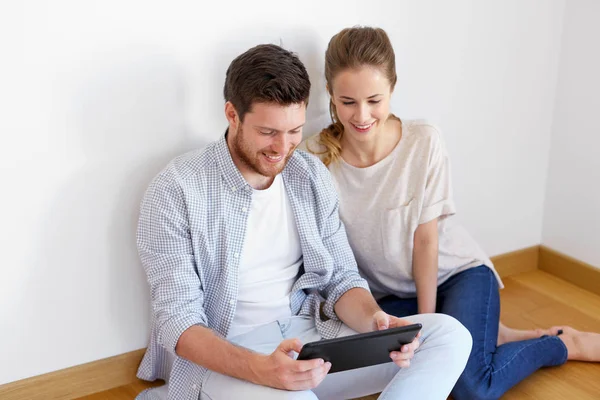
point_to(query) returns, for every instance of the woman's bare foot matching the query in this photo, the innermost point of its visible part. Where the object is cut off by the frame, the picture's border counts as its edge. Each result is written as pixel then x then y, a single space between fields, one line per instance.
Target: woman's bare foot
pixel 581 346
pixel 507 335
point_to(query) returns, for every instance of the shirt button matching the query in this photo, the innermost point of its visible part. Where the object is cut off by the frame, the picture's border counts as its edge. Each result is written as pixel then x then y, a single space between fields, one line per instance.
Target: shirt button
pixel 237 255
pixel 245 209
pixel 232 302
pixel 194 386
pixel 233 189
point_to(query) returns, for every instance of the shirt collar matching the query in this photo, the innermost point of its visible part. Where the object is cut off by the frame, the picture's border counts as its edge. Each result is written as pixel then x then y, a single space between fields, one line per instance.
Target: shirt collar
pixel 232 175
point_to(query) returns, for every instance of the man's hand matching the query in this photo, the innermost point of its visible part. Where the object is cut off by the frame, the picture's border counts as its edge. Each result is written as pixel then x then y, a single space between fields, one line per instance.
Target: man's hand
pixel 281 371
pixel 401 358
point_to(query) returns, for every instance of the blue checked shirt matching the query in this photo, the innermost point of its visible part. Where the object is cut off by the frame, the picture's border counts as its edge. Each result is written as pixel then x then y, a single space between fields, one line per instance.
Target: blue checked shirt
pixel 190 236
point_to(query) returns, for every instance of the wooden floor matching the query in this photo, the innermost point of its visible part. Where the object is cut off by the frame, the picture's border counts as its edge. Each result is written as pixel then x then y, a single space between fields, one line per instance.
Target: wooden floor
pixel 530 300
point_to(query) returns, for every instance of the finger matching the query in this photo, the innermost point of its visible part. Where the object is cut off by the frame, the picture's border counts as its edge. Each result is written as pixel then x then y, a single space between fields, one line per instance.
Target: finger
pixel 398 322
pixel 312 373
pixel 410 349
pixel 290 345
pixel 382 320
pixel 402 355
pixel 402 363
pixel 307 365
pixel 398 356
pixel 415 344
pixel 311 379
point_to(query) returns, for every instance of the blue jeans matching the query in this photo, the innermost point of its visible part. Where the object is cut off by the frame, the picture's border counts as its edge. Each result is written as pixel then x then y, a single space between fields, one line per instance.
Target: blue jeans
pixel 472 298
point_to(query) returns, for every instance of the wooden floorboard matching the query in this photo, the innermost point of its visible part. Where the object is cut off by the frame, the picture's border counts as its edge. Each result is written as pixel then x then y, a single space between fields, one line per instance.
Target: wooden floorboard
pixel 122 392
pixel 530 300
pixel 547 301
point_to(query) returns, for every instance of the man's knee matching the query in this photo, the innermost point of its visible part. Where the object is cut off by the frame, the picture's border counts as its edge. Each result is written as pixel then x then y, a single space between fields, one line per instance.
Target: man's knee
pixel 460 336
pixel 449 330
pixel 259 393
pixel 304 395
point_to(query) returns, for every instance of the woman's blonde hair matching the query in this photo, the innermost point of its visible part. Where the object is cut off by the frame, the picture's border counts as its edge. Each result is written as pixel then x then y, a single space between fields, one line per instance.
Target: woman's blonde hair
pixel 353 48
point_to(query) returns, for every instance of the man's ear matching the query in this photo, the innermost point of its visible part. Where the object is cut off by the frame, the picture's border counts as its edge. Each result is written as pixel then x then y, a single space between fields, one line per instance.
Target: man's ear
pixel 231 115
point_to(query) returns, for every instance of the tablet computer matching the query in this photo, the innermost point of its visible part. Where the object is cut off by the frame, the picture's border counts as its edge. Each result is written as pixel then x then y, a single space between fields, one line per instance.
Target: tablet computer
pixel 360 350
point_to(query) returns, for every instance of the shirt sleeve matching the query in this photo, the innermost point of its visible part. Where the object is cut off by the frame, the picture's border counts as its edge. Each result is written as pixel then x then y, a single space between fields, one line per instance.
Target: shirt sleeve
pixel 165 249
pixel 437 200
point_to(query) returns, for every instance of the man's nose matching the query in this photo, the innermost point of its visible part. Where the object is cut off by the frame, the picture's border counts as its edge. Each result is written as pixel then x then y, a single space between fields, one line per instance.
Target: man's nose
pixel 280 144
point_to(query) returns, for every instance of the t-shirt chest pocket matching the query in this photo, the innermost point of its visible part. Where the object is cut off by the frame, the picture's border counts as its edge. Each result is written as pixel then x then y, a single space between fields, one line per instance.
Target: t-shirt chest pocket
pixel 398 226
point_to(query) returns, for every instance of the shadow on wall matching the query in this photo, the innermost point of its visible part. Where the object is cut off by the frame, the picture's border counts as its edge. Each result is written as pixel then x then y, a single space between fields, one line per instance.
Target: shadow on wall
pixel 128 116
pixel 307 44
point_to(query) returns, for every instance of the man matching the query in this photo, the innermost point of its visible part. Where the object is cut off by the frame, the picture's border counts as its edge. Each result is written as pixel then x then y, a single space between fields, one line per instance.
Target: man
pixel 247 259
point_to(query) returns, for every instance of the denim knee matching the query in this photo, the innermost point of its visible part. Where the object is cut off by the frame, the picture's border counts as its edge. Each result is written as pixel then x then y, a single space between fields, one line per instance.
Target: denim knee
pixel 474 388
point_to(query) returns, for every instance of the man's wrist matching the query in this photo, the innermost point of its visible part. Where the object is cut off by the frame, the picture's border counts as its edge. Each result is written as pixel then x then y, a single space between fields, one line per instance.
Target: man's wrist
pixel 256 366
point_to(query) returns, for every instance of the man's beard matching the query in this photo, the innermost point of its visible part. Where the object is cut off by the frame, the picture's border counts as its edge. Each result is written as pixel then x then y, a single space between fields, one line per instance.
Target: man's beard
pixel 251 158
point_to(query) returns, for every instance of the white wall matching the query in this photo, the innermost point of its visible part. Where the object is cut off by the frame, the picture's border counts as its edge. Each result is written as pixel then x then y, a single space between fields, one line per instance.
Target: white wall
pixel 571 211
pixel 97 96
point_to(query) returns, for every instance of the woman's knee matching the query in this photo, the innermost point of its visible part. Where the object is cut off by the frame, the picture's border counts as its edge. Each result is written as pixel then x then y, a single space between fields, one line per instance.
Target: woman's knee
pixel 471 387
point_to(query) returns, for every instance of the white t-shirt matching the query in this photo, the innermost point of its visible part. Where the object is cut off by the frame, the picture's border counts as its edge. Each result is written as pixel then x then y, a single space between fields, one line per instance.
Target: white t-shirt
pixel 269 262
pixel 382 206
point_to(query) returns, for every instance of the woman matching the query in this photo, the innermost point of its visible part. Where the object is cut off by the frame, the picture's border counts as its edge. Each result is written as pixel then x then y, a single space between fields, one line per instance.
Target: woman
pixel 393 180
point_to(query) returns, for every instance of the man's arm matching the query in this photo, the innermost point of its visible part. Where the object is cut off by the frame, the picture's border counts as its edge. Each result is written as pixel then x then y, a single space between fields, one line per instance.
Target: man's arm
pixel 201 346
pixel 356 308
pixel 425 265
pixel 165 249
pixel 177 294
pixel 347 295
pixel 339 262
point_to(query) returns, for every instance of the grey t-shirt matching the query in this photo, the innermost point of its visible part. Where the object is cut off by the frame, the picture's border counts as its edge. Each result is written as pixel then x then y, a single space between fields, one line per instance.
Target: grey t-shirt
pixel 382 206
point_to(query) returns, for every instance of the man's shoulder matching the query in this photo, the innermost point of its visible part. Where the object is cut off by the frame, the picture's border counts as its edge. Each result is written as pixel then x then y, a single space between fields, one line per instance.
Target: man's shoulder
pixel 307 167
pixel 310 163
pixel 180 170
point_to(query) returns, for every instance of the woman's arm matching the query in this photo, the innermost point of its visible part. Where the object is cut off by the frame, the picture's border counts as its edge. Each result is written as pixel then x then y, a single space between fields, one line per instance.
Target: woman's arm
pixel 425 265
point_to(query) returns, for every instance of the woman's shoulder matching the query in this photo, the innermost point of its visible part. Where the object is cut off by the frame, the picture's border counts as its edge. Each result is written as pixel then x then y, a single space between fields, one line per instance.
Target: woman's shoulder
pixel 313 145
pixel 423 133
pixel 421 127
